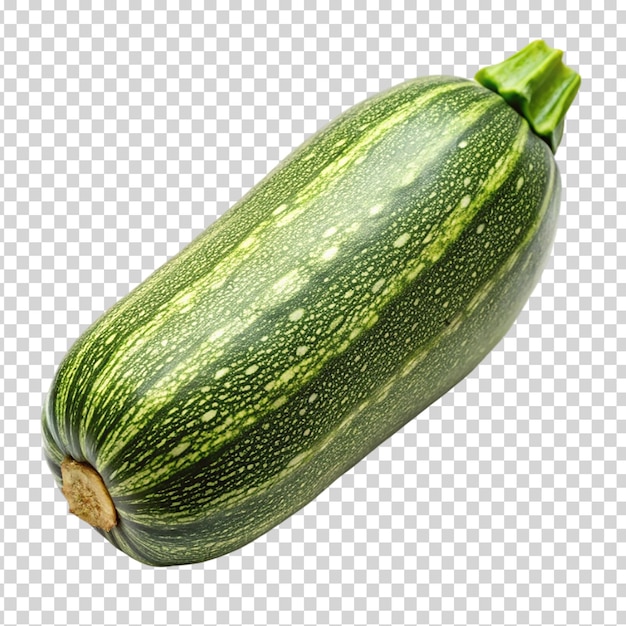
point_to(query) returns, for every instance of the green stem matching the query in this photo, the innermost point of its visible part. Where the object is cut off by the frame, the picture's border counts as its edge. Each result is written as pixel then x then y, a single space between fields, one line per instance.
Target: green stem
pixel 537 84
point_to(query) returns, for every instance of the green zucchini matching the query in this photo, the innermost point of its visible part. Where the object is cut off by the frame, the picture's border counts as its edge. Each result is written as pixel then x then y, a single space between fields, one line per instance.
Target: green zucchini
pixel 358 282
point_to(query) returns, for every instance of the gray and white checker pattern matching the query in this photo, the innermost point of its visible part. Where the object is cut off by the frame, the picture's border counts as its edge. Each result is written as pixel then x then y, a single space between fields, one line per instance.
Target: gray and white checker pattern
pixel 127 127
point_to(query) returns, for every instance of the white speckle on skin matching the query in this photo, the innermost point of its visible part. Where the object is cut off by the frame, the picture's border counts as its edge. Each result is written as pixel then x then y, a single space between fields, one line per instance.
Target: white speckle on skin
pixel 378 285
pixel 296 315
pixel 221 373
pixel 408 177
pixel 312 397
pixel 280 209
pixel 287 375
pixel 217 334
pixel 180 448
pixel 330 253
pixel 287 281
pixel 401 240
pixel 330 232
pixel 279 402
pixel 252 369
pixel 520 182
pixel 467 181
pixel 336 322
pixel 302 350
pixel 377 208
pixel 480 228
pixel 463 144
pixel 465 201
pixel 209 415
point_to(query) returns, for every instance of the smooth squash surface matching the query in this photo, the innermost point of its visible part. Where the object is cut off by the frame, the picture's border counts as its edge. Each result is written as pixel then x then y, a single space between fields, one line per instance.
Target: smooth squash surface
pixel 358 282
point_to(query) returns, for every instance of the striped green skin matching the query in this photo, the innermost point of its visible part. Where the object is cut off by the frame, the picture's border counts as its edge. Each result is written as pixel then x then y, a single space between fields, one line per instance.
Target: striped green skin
pixel 358 282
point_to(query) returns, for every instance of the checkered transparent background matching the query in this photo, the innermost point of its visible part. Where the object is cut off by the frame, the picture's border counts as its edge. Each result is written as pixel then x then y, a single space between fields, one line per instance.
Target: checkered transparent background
pixel 127 127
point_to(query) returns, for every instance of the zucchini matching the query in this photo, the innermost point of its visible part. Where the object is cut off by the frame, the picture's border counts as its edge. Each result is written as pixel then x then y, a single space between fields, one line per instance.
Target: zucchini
pixel 365 276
